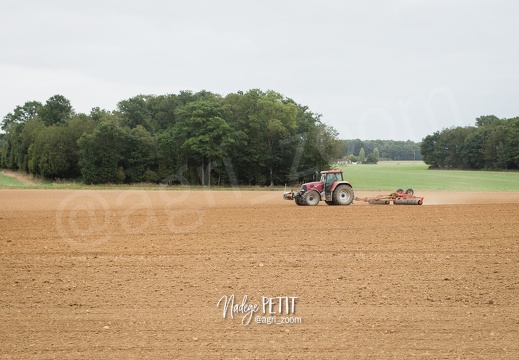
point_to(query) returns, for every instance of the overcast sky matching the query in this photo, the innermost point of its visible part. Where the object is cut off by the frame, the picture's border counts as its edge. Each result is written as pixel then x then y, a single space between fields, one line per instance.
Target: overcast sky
pixel 398 69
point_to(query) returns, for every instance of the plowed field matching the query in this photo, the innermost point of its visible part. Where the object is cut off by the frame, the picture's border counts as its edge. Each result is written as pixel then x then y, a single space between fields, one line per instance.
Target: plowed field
pixel 147 274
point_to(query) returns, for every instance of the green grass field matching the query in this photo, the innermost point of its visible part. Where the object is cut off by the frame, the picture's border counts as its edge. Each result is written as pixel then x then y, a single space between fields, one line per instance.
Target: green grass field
pixel 7 182
pixel 385 176
pixel 393 175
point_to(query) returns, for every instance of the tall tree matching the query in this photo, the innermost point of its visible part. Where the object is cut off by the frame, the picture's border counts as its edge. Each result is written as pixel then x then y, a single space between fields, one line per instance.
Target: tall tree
pixel 56 111
pixel 139 155
pixel 376 153
pixel 362 155
pixel 204 134
pixel 277 120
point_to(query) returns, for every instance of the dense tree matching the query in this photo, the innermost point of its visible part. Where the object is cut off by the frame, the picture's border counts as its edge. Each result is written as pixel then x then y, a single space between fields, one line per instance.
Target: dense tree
pixel 204 134
pixel 28 132
pixel 471 150
pixel 137 111
pixel 276 120
pixel 55 152
pixel 316 143
pixel 18 138
pixel 371 159
pixel 168 160
pixel 271 132
pixel 140 153
pixel 56 111
pixel 101 153
pixel 492 144
pixel 253 137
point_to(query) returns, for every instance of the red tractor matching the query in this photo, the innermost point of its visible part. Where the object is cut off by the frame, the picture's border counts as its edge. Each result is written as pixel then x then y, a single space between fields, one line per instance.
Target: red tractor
pixel 332 188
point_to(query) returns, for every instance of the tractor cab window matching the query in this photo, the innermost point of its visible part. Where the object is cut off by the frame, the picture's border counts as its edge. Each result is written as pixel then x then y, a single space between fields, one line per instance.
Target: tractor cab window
pixel 331 178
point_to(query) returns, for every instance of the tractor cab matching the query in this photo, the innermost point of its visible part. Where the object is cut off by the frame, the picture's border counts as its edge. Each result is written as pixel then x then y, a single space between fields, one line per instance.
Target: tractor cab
pixel 329 179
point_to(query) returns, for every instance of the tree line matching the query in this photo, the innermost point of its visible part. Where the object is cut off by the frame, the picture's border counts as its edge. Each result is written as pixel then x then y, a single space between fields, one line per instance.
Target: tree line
pixel 251 138
pixel 371 151
pixel 492 144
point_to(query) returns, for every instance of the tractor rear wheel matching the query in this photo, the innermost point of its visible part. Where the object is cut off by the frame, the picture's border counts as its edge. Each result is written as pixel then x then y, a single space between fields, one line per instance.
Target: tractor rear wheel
pixel 343 195
pixel 312 198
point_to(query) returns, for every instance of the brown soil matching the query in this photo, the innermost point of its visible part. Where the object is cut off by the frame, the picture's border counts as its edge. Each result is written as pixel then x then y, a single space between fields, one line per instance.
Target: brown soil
pixel 138 274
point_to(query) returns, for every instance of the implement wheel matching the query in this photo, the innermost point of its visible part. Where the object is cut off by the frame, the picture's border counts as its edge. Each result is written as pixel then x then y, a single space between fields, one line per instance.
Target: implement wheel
pixel 343 195
pixel 312 198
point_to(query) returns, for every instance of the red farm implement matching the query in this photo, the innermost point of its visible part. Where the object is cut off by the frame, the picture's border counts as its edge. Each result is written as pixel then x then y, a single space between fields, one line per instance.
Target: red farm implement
pixel 398 198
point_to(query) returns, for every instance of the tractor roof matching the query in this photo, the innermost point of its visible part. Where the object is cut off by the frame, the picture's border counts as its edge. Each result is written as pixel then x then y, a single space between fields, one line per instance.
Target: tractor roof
pixel 331 171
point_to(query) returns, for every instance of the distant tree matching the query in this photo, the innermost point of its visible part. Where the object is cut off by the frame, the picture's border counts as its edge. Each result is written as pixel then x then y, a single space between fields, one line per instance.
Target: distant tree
pixel 354 146
pixel 362 155
pixel 371 159
pixel 330 148
pixel 428 150
pixel 494 147
pixel 376 154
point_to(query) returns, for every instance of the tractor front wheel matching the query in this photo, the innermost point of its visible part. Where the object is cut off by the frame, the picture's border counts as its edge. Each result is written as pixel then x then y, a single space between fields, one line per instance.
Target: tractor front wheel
pixel 343 195
pixel 299 200
pixel 312 198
